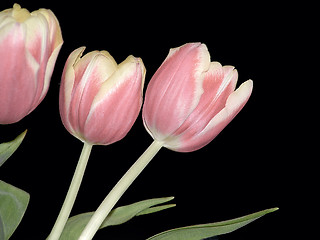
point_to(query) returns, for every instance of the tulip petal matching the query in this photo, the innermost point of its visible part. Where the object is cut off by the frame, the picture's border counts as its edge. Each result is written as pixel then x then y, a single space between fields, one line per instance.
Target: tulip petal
pixel 39 47
pixel 234 104
pixel 5 19
pixel 123 73
pixel 54 27
pixel 218 84
pixel 220 93
pixel 119 101
pixel 66 88
pixel 16 72
pixel 54 47
pixel 82 70
pixel 37 38
pixel 48 72
pixel 175 89
pixel 202 114
pixel 94 73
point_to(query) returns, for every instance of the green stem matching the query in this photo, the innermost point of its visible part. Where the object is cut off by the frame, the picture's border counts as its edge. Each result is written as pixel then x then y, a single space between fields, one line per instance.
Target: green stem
pixel 118 190
pixel 72 193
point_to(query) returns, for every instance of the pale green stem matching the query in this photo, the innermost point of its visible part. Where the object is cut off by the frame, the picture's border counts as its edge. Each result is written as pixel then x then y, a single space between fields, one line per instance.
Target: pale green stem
pixel 72 193
pixel 118 190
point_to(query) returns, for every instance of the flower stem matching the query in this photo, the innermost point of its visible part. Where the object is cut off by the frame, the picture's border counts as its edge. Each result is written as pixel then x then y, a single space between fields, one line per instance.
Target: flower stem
pixel 72 193
pixel 118 190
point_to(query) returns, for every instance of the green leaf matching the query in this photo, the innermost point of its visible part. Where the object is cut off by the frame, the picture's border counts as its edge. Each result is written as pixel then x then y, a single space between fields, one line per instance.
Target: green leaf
pixel 1 230
pixel 13 204
pixel 120 215
pixel 202 231
pixel 8 148
pixel 155 209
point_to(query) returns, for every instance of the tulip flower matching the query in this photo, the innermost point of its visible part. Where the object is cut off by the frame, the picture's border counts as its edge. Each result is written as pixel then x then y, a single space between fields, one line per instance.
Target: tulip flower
pixel 29 46
pixel 189 100
pixel 100 100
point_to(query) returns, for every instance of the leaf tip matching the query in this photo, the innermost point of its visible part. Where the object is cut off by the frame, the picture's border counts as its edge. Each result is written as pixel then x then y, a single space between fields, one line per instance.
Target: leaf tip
pixel 23 134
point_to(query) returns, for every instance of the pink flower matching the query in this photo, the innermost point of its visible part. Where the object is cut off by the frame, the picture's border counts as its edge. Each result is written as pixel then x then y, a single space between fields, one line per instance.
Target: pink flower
pixel 29 46
pixel 189 100
pixel 100 100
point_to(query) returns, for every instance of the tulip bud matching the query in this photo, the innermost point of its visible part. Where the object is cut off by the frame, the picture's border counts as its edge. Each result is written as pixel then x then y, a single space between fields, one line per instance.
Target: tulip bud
pixel 100 100
pixel 29 46
pixel 189 100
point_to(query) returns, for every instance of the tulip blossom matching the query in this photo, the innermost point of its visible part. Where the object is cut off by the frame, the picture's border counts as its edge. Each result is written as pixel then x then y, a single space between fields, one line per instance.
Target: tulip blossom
pixel 29 46
pixel 189 100
pixel 99 99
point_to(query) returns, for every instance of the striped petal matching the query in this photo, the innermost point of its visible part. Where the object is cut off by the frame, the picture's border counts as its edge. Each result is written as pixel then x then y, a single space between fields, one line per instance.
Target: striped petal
pixel 117 104
pixel 17 74
pixel 234 104
pixel 66 88
pixel 175 89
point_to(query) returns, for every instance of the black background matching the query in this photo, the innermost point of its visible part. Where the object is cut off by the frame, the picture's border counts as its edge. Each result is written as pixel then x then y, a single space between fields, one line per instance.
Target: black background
pixel 244 170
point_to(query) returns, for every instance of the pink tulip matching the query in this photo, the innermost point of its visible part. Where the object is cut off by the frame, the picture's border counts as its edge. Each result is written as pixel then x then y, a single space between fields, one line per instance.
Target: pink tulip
pixel 29 46
pixel 189 100
pixel 100 100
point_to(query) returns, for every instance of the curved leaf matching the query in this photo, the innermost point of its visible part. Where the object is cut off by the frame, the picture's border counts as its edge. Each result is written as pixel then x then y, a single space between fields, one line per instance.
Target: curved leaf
pixel 202 231
pixel 13 204
pixel 8 148
pixel 120 215
pixel 155 209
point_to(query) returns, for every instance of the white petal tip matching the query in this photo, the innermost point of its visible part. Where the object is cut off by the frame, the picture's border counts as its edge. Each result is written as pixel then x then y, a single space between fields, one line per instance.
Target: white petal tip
pixel 248 85
pixel 239 97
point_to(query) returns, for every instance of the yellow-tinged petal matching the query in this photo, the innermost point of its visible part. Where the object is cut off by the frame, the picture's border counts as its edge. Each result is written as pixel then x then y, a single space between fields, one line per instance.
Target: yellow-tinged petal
pixel 69 74
pixel 127 67
pixel 54 27
pixel 20 14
